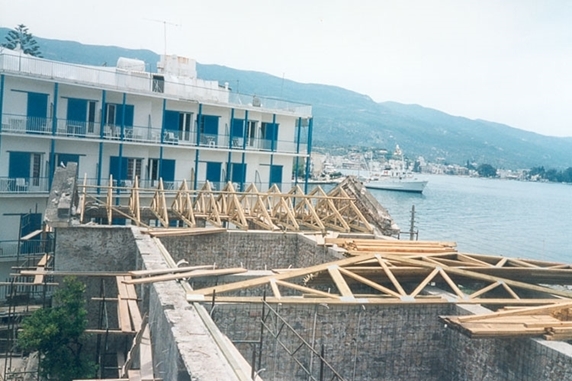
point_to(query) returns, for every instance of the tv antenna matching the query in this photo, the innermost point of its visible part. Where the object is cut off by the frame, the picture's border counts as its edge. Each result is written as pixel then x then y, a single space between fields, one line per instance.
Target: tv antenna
pixel 165 23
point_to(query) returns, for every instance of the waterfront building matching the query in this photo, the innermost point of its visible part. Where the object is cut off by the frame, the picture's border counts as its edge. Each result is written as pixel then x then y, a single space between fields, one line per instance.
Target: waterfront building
pixel 125 123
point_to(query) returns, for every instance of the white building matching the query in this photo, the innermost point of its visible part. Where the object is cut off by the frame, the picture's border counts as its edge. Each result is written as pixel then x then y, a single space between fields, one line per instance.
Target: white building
pixel 126 122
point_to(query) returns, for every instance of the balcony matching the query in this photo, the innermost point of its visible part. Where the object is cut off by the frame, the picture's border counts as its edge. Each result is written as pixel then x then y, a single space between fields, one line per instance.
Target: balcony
pixel 111 78
pixel 72 129
pixel 24 185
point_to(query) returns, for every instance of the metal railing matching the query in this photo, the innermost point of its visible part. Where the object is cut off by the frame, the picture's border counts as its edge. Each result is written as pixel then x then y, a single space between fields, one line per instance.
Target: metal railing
pixel 24 185
pixel 24 125
pixel 139 82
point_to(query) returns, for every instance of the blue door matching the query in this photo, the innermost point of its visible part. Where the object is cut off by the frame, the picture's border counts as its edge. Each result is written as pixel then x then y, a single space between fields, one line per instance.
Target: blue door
pixel 37 112
pixel 168 173
pixel 214 173
pixel 238 174
pixel 273 135
pixel 117 168
pixel 76 116
pixel 276 175
pixel 19 166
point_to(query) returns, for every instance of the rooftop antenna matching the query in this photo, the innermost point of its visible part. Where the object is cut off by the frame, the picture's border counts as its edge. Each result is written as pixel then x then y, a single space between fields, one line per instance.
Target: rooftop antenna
pixel 164 22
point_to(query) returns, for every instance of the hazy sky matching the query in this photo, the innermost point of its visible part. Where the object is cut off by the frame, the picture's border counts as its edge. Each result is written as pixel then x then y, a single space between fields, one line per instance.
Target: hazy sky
pixel 505 61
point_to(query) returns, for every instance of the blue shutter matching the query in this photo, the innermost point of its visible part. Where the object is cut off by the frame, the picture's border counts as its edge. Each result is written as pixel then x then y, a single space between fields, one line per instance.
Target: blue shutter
pixel 116 166
pixel 171 120
pixel 129 111
pixel 276 175
pixel 237 128
pixel 210 124
pixel 76 115
pixel 19 166
pixel 37 111
pixel 168 170
pixel 214 173
pixel 238 173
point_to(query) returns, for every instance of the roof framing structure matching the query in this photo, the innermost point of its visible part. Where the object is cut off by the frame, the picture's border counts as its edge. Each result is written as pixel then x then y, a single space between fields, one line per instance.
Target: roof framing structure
pixel 272 210
pixel 385 272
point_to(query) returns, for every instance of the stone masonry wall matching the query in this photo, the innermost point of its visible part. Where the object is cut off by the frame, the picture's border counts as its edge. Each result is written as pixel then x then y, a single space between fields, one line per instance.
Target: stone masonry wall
pixel 520 359
pixel 253 250
pixel 360 342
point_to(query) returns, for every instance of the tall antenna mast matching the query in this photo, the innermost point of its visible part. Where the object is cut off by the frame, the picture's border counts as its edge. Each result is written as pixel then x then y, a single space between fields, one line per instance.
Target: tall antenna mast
pixel 164 32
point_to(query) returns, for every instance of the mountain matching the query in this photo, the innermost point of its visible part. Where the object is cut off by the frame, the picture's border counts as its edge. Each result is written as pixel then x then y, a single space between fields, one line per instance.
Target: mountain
pixel 344 118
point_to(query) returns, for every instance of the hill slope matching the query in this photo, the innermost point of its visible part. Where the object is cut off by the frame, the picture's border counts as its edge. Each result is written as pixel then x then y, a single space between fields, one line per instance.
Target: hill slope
pixel 345 118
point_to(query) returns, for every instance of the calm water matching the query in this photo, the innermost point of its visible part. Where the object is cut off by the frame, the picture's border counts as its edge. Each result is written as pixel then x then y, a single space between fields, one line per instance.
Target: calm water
pixel 501 217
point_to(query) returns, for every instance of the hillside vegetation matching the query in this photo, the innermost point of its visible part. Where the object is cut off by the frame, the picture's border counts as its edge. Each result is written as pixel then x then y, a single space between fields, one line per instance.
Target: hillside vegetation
pixel 346 119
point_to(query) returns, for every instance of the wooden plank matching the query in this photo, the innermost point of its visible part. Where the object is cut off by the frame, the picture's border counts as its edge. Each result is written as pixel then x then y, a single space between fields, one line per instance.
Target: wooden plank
pixel 31 235
pixel 131 294
pixel 340 282
pixel 484 290
pixel 170 232
pixel 275 289
pixel 44 260
pixel 291 274
pixel 123 315
pixel 370 283
pixel 306 289
pixel 121 287
pixel 390 275
pixel 135 314
pixel 452 284
pixel 140 273
pixel 424 283
pixel 190 274
pixel 522 311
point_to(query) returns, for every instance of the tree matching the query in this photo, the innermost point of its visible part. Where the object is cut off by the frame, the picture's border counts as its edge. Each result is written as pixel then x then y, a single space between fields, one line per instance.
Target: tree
pixel 487 170
pixel 21 36
pixel 57 333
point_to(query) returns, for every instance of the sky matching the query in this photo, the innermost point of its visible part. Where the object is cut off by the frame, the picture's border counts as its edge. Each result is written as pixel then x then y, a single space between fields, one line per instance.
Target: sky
pixel 504 61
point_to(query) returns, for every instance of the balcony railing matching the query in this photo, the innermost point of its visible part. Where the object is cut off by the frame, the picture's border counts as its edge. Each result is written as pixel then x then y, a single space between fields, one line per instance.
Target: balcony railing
pixel 21 124
pixel 139 82
pixel 24 185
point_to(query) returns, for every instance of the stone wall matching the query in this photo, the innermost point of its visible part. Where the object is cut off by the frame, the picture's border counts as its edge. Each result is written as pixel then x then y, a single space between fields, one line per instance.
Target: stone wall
pixel 360 342
pixel 390 342
pixel 504 359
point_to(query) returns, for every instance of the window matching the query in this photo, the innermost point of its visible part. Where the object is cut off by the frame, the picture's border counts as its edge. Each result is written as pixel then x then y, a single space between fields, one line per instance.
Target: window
pixel 133 168
pixel 158 83
pixel 91 116
pixel 25 168
pixel 178 123
pixel 251 132
pixel 125 169
pixel 153 171
pixel 110 114
pixel 269 135
pixel 208 127
pixel 114 114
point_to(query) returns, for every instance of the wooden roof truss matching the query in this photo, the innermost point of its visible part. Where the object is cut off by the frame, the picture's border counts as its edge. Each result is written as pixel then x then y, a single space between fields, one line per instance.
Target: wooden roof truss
pixel 393 272
pixel 271 210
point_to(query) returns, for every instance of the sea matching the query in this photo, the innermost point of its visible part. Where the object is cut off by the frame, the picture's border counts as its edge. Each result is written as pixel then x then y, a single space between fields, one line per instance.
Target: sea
pixel 511 218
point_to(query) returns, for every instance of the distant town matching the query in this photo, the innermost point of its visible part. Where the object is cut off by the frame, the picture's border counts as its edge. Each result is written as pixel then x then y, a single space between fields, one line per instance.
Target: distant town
pixel 326 166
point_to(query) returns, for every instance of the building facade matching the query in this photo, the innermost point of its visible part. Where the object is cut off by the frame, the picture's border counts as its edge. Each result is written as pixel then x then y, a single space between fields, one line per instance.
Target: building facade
pixel 123 123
